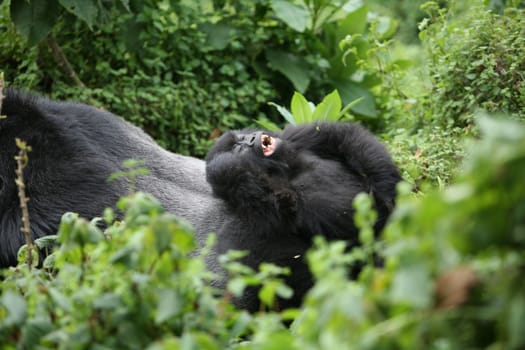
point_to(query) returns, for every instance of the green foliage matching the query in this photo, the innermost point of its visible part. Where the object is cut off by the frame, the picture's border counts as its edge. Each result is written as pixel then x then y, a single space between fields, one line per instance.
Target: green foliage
pixel 475 61
pixel 138 287
pixel 186 70
pixel 302 111
pixel 35 19
pixel 429 155
pixel 453 276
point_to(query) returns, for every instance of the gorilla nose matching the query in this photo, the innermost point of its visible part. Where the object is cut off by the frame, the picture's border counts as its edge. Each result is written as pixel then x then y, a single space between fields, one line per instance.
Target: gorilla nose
pixel 248 140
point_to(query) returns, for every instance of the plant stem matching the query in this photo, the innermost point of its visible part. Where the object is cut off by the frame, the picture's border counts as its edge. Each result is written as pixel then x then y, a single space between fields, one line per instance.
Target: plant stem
pixel 62 61
pixel 21 161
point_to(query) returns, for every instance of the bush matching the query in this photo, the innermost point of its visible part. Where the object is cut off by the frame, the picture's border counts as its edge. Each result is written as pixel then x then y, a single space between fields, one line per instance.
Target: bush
pixel 475 61
pixel 453 276
pixel 185 71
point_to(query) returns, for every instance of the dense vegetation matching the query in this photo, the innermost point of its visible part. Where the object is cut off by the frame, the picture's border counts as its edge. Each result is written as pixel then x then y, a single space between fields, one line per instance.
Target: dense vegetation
pixel 186 70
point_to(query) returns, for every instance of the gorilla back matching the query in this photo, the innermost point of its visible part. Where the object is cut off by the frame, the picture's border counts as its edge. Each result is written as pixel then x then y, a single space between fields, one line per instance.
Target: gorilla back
pixel 75 149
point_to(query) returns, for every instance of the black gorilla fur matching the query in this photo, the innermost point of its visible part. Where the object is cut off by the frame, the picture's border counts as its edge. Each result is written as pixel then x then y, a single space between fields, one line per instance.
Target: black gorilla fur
pixel 270 205
pixel 286 187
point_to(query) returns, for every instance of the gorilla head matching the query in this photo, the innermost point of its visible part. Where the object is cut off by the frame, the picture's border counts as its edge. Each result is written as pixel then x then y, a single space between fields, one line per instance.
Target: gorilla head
pixel 284 188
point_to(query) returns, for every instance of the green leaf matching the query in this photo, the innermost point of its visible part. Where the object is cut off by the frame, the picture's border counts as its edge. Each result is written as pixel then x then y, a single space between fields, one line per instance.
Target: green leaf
pixel 16 308
pixel 301 109
pixel 169 304
pixel 329 108
pixel 515 325
pixel 267 124
pixel 354 23
pixel 86 10
pixel 46 241
pixel 34 330
pixel 284 112
pixel 218 34
pixel 295 16
pixel 403 286
pixel 236 286
pixel 351 91
pixel 385 26
pixel 291 66
pixel 267 293
pixel 35 19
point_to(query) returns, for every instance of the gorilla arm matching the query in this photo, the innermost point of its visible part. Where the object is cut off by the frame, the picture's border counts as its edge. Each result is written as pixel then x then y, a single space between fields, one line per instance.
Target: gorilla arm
pixel 359 151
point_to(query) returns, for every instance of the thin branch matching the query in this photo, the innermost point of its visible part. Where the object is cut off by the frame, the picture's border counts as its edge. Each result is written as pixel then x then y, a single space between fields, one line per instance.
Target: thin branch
pixel 21 161
pixel 1 92
pixel 62 61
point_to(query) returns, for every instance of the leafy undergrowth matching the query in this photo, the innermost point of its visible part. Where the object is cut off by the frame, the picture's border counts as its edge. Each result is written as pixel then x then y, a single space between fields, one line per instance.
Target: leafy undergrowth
pixel 454 276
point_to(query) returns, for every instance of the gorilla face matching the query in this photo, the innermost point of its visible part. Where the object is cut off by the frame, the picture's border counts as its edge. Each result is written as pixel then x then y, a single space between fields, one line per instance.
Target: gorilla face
pixel 252 171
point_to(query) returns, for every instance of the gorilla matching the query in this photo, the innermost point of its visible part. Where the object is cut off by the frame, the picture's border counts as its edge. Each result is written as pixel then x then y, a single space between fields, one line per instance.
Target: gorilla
pixel 284 188
pixel 267 193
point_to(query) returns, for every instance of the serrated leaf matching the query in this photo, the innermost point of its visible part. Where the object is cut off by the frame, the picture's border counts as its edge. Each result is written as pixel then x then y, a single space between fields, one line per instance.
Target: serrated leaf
pixel 329 108
pixel 35 19
pixel 86 10
pixel 301 109
pixel 293 15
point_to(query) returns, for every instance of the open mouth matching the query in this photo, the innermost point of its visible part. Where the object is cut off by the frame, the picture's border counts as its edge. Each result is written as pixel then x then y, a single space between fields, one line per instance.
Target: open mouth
pixel 267 144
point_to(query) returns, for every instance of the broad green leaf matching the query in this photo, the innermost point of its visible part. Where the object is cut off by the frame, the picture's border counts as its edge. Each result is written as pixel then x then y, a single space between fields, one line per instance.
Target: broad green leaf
pixel 267 293
pixel 218 34
pixel 515 325
pixel 349 106
pixel 16 308
pixel 86 10
pixel 284 112
pixel 169 304
pixel 403 290
pixel 267 124
pixel 301 109
pixel 354 22
pixel 236 286
pixel 34 330
pixel 329 108
pixel 291 66
pixel 34 19
pixel 295 16
pixel 46 241
pixel 351 91
pixel 384 26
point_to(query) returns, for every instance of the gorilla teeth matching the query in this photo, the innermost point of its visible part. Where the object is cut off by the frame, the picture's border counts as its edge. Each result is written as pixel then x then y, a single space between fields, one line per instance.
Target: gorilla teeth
pixel 268 145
